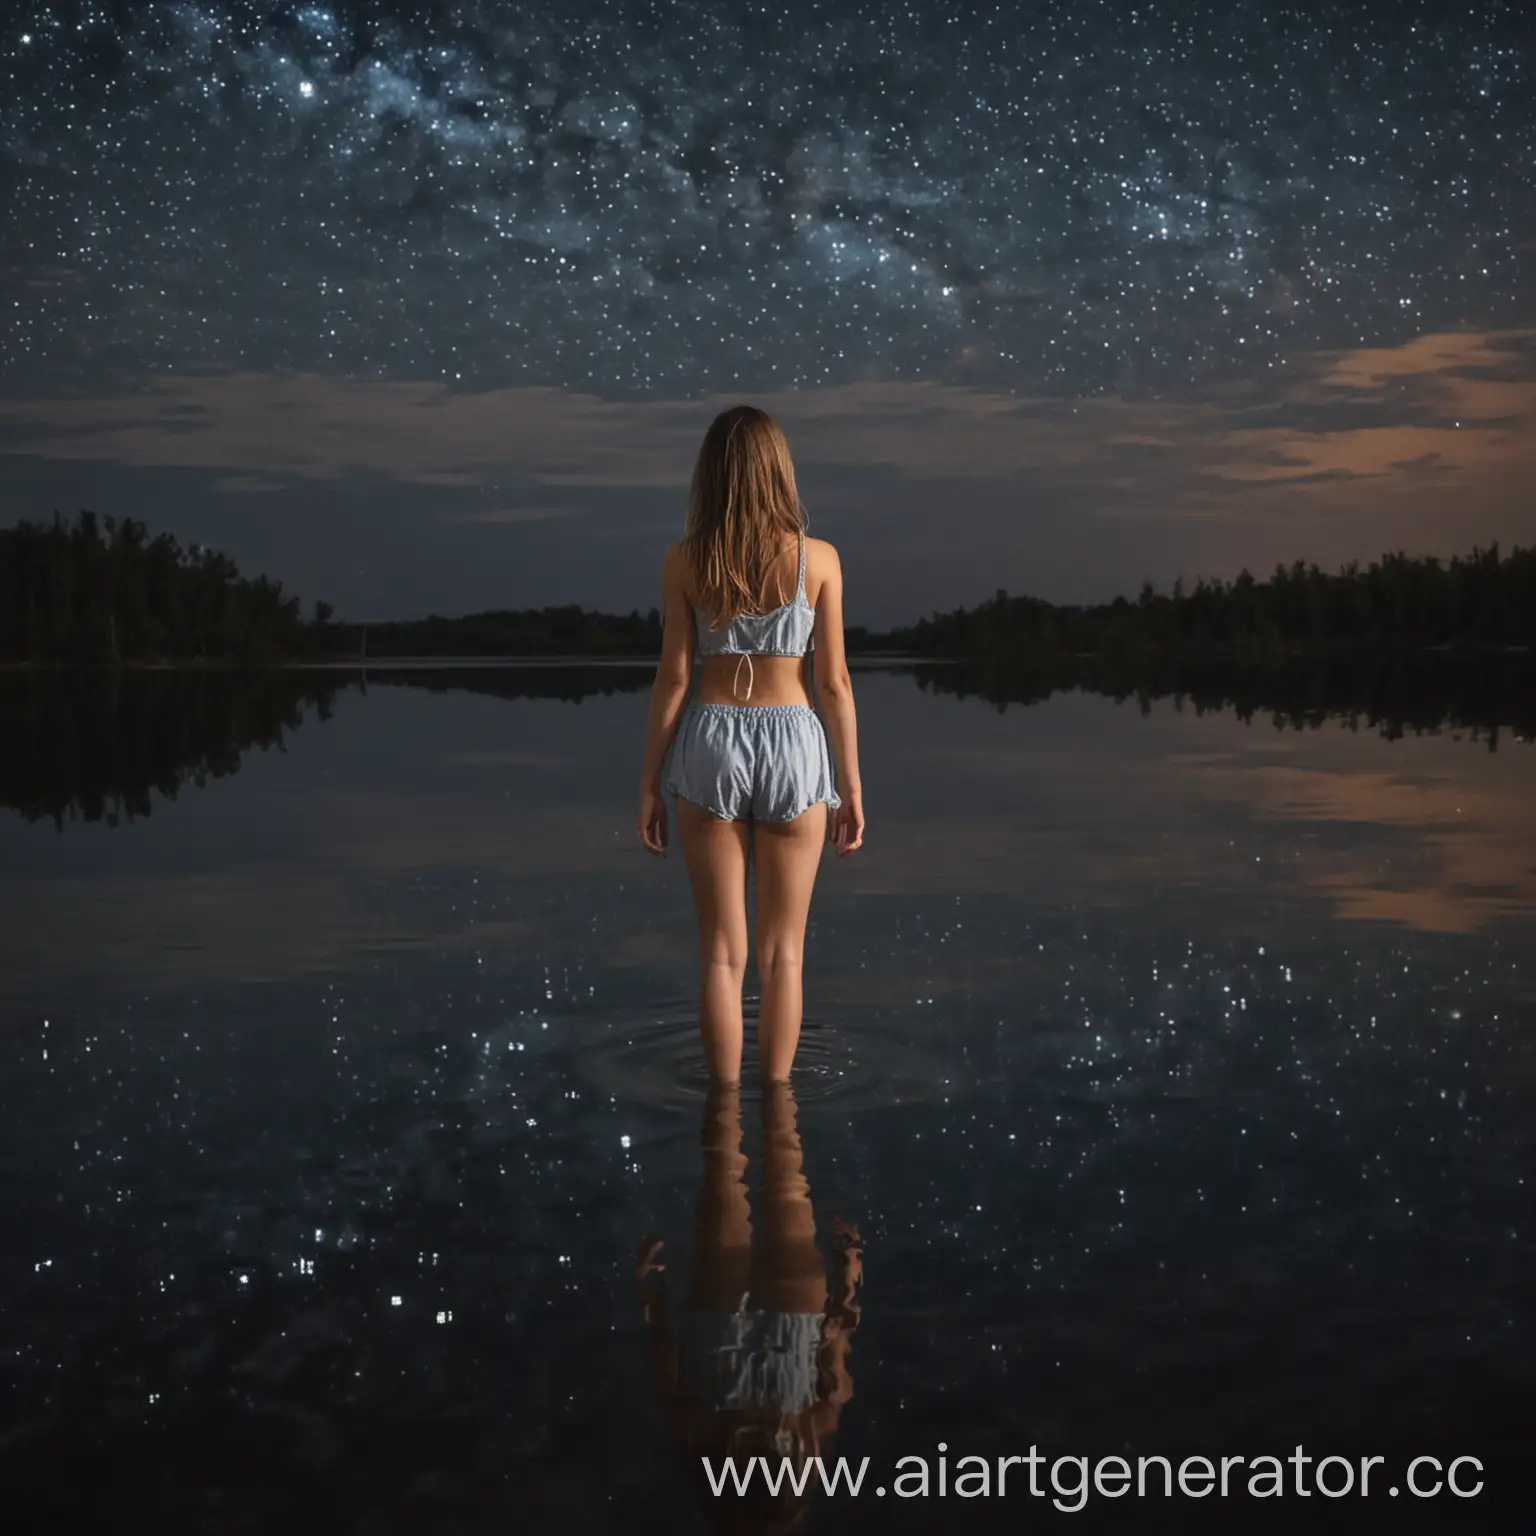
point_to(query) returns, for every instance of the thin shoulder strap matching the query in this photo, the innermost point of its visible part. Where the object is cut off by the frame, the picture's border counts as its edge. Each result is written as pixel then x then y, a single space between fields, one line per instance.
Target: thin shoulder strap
pixel 800 589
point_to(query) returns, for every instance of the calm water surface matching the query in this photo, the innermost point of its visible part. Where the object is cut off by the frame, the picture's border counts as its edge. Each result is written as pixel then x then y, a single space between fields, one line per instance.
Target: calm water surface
pixel 1177 1072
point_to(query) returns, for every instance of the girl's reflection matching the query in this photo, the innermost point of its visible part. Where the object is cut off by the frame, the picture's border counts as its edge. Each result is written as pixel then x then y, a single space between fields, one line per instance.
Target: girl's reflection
pixel 758 1364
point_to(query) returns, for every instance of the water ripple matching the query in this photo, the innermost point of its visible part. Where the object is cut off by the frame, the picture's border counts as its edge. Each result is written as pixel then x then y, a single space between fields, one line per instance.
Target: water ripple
pixel 855 1059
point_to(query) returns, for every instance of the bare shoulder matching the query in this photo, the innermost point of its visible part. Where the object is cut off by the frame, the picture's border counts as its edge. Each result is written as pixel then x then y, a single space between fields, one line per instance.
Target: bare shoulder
pixel 821 564
pixel 675 574
pixel 823 554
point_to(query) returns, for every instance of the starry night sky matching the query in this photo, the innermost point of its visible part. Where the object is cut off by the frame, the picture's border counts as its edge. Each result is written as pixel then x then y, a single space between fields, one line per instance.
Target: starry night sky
pixel 426 306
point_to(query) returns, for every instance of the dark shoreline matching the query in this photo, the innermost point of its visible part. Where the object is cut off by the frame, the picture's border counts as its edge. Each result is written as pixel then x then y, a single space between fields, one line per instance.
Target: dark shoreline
pixel 1237 656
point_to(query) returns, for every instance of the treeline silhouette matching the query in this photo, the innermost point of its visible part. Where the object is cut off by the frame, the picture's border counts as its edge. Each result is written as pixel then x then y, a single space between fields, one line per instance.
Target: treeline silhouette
pixel 568 631
pixel 1480 600
pixel 99 590
pixel 104 590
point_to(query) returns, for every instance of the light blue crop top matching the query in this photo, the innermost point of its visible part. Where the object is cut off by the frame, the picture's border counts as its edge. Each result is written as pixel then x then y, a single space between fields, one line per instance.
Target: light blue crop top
pixel 782 631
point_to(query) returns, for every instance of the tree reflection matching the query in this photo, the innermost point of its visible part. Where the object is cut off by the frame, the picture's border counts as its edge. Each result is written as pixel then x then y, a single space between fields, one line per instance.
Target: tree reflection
pixel 1405 693
pixel 101 745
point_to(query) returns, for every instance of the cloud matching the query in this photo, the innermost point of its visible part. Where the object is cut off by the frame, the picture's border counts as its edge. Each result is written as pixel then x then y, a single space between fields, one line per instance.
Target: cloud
pixel 1423 467
pixel 314 428
pixel 1460 410
pixel 1472 376
pixel 1345 433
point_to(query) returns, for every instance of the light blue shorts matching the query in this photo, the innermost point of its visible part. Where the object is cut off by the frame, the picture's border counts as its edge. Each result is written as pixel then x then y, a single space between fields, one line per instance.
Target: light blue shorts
pixel 765 761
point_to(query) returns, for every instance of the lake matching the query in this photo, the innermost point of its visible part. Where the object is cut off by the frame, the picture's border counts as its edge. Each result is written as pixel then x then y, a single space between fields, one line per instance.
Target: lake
pixel 1176 1068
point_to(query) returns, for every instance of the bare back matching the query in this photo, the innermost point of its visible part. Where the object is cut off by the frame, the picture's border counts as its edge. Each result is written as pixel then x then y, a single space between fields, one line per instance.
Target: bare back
pixel 777 679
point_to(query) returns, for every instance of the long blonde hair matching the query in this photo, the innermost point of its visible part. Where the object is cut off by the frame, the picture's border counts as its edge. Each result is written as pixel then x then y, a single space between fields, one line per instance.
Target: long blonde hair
pixel 741 502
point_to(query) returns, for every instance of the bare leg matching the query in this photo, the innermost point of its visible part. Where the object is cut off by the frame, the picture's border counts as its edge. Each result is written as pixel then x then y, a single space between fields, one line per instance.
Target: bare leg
pixel 788 854
pixel 716 853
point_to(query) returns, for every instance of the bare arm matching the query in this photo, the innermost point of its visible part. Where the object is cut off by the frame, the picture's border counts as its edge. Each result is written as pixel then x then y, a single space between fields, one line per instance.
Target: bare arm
pixel 834 687
pixel 673 673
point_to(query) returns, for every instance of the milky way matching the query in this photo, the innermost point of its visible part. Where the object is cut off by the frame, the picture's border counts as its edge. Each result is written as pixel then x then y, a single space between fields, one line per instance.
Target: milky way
pixel 667 198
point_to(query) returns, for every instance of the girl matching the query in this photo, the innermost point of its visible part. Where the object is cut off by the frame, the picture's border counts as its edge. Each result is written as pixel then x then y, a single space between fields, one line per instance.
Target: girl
pixel 747 761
